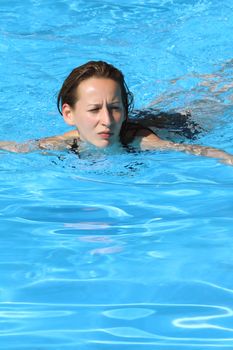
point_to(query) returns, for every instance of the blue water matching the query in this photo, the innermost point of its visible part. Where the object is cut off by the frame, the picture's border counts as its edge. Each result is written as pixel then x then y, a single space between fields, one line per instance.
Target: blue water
pixel 116 251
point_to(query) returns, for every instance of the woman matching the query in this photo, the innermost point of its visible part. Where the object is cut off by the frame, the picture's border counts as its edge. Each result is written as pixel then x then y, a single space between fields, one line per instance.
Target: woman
pixel 95 99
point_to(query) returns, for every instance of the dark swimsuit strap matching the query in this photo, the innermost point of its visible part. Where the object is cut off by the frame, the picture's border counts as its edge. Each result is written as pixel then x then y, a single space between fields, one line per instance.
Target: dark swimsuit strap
pixel 75 146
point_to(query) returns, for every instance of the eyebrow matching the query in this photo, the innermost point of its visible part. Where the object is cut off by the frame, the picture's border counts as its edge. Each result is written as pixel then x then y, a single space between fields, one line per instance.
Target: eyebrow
pixel 100 104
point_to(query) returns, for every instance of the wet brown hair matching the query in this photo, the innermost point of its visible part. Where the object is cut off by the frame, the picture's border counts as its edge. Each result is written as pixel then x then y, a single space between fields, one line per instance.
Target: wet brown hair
pixel 99 69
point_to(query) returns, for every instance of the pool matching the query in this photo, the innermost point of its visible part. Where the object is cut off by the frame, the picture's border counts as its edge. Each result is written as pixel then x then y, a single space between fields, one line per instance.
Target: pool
pixel 123 251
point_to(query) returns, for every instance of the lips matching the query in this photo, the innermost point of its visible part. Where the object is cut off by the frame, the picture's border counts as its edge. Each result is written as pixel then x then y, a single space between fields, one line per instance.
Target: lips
pixel 105 134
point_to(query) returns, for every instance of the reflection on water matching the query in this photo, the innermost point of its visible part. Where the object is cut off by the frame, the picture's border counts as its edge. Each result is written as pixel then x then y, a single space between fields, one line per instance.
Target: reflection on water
pixel 88 264
pixel 123 325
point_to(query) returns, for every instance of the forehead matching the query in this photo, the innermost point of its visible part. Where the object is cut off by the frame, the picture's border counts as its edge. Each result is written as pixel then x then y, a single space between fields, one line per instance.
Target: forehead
pixel 98 89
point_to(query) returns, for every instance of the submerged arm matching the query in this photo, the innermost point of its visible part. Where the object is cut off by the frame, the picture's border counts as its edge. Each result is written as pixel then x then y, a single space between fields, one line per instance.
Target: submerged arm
pixel 15 147
pixel 59 143
pixel 149 141
pixel 51 143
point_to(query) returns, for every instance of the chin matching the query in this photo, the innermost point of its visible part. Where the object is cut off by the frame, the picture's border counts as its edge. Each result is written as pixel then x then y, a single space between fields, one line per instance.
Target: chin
pixel 104 144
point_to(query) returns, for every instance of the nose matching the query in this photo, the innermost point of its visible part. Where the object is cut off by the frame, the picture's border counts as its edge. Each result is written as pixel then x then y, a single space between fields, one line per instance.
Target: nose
pixel 106 117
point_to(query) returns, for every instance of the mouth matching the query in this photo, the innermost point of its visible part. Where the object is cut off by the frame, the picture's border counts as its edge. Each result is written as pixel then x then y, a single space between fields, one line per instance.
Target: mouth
pixel 105 134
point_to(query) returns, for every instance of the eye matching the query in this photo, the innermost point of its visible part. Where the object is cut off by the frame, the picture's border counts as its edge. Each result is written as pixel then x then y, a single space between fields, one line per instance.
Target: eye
pixel 94 110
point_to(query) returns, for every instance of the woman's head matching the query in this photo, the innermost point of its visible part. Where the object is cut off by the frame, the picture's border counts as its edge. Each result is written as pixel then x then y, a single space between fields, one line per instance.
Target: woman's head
pixel 95 99
pixel 100 69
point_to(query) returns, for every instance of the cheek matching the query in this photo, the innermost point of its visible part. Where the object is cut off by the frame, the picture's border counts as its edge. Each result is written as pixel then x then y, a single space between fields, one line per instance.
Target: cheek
pixel 120 117
pixel 85 120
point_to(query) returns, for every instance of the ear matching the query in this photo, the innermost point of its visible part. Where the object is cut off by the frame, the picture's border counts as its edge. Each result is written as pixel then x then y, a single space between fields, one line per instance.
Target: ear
pixel 67 113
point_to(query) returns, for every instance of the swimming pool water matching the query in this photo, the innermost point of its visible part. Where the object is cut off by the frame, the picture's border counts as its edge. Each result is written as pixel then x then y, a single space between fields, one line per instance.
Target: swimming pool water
pixel 116 251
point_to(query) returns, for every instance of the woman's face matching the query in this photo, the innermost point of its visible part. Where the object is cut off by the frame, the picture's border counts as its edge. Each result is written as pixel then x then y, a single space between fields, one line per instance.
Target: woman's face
pixel 98 113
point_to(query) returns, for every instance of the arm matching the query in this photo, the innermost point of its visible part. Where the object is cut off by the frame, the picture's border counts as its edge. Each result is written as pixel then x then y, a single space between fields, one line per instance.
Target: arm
pixel 15 147
pixel 149 141
pixel 58 143
pixel 49 143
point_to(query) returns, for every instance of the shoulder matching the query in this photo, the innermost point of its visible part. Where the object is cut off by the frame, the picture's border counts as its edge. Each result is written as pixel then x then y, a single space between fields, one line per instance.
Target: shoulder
pixel 130 130
pixel 59 142
pixel 70 134
pixel 140 136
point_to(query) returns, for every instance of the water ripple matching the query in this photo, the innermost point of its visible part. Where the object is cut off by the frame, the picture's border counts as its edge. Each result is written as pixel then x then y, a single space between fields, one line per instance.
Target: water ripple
pixel 90 325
